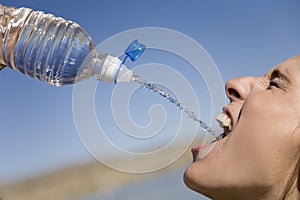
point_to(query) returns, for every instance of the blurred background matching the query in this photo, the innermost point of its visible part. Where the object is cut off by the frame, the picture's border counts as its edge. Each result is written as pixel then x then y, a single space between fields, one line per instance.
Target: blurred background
pixel 41 154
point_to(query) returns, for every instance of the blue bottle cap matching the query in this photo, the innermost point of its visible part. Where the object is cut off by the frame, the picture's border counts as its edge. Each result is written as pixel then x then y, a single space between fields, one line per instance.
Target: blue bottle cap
pixel 135 50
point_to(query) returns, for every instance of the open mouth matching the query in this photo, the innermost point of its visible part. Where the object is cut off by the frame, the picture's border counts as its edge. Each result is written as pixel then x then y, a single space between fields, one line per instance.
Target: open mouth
pixel 225 122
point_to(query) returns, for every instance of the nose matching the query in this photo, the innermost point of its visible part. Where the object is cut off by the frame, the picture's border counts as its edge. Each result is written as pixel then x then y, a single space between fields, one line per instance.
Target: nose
pixel 238 89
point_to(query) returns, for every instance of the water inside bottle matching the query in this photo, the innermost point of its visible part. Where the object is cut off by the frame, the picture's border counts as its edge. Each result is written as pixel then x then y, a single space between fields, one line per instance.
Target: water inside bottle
pixel 178 104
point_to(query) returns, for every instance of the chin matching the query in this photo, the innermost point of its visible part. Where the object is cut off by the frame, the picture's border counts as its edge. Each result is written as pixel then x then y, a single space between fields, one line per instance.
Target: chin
pixel 192 179
pixel 190 183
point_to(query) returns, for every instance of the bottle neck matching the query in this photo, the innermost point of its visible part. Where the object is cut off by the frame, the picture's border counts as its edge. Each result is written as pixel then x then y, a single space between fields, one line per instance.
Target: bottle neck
pixel 113 71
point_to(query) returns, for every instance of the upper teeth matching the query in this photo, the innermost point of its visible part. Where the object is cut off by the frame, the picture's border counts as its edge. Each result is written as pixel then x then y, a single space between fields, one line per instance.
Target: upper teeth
pixel 224 121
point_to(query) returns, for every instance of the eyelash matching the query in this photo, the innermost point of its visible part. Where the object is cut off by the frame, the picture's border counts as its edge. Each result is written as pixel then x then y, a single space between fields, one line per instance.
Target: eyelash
pixel 272 84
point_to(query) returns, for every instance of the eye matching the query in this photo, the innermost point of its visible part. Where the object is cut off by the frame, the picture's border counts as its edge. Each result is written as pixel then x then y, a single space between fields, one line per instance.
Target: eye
pixel 272 84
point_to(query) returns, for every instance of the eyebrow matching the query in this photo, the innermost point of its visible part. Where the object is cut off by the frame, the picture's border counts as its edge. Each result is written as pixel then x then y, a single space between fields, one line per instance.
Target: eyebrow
pixel 278 74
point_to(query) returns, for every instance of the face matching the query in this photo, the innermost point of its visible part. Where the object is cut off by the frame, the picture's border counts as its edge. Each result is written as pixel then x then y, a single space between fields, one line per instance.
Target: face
pixel 259 157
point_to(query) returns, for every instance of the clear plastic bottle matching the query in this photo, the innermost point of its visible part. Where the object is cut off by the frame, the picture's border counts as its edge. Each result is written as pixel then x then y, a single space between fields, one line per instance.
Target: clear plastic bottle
pixel 53 49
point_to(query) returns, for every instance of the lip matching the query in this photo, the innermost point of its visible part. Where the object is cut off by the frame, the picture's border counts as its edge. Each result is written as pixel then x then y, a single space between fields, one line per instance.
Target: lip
pixel 228 111
pixel 201 151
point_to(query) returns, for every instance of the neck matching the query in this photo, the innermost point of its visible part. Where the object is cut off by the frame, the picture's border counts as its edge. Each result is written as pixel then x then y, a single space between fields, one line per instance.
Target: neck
pixel 289 192
pixel 292 191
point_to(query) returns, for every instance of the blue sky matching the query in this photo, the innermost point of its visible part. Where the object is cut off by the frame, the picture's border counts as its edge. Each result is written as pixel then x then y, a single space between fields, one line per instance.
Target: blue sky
pixel 242 37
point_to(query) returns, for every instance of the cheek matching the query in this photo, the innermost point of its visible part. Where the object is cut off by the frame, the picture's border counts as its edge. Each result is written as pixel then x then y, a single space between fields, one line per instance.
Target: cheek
pixel 267 124
pixel 270 114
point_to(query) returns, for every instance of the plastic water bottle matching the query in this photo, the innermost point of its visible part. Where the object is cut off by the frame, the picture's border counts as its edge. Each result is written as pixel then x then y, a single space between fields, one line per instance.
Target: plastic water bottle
pixel 57 51
pixel 60 52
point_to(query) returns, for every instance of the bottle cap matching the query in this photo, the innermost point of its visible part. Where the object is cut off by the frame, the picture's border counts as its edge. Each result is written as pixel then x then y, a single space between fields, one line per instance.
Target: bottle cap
pixel 113 71
pixel 135 50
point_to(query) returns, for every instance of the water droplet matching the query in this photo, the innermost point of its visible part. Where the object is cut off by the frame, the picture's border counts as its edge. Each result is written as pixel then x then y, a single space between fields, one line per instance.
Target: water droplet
pixel 174 101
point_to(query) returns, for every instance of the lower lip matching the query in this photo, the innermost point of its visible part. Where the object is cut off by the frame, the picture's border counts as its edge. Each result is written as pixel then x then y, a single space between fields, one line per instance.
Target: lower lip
pixel 201 151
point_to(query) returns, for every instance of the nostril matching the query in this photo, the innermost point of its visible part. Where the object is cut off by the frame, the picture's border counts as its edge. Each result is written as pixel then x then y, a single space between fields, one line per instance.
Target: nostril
pixel 234 93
